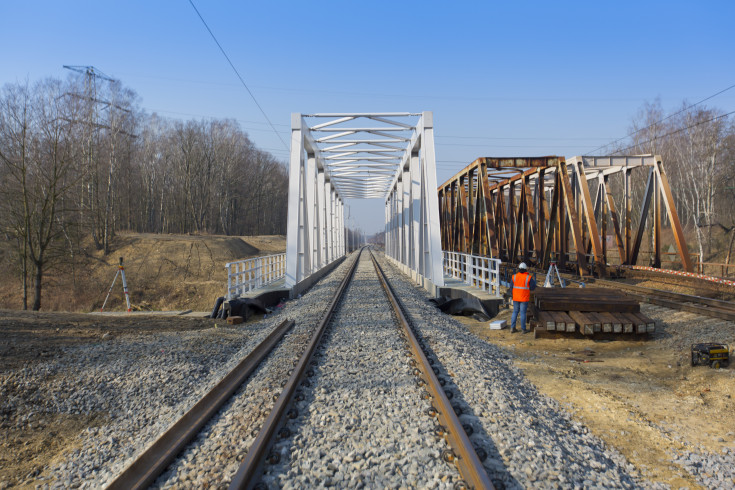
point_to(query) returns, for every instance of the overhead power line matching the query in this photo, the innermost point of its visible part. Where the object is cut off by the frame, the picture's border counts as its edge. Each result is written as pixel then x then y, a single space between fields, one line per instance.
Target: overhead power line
pixel 662 120
pixel 676 131
pixel 237 73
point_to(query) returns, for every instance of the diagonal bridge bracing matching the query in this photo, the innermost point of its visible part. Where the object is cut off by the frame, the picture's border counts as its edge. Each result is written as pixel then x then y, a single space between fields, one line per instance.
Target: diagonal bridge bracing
pixel 526 209
pixel 363 156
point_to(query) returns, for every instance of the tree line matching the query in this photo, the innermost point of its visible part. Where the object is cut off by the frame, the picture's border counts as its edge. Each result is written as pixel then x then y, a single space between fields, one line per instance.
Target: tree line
pixel 79 158
pixel 697 144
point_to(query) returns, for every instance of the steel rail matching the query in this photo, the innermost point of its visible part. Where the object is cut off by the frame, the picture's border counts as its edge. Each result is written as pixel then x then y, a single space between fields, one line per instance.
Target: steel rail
pixel 149 465
pixel 248 474
pixel 468 463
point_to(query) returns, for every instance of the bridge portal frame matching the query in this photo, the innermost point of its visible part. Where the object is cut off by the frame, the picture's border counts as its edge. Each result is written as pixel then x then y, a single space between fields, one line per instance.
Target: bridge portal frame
pixel 335 159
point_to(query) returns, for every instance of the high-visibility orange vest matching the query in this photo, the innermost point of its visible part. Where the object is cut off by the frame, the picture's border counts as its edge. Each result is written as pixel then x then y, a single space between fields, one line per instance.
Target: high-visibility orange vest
pixel 521 291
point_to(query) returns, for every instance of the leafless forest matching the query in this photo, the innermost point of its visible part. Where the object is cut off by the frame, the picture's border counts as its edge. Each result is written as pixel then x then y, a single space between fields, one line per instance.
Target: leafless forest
pixel 698 149
pixel 79 158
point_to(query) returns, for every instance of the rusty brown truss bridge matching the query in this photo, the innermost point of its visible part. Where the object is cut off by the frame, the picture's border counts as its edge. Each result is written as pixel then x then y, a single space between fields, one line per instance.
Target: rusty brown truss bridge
pixel 541 208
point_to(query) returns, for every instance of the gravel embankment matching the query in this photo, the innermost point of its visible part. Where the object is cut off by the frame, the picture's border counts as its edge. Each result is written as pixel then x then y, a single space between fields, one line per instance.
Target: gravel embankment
pixel 530 440
pixel 363 422
pixel 212 459
pixel 141 385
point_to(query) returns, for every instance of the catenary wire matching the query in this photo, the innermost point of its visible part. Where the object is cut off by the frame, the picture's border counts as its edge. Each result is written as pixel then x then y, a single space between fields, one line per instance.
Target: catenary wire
pixel 237 73
pixel 676 131
pixel 662 120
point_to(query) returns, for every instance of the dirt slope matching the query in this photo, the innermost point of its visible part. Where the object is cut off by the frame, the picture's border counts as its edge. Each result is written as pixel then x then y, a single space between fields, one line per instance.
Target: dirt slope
pixel 164 272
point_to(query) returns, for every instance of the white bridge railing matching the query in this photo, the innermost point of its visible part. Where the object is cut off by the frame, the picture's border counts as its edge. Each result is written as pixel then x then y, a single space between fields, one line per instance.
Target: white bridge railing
pixel 246 275
pixel 480 272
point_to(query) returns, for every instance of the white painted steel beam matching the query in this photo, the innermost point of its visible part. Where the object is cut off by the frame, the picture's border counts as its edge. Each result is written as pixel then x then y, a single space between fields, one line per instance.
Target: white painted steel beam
pixel 392 158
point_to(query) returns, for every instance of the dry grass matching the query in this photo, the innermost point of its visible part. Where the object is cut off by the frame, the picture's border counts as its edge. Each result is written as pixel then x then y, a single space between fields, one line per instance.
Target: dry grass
pixel 164 272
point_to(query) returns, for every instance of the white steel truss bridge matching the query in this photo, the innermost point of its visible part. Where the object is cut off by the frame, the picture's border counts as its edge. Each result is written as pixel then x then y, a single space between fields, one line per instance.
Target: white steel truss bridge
pixel 363 155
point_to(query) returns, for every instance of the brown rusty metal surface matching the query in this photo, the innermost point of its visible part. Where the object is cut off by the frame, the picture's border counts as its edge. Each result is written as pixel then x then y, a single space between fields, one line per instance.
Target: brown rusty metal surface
pixel 673 217
pixel 249 472
pixel 573 219
pixel 589 215
pixel 144 470
pixel 500 207
pixel 469 465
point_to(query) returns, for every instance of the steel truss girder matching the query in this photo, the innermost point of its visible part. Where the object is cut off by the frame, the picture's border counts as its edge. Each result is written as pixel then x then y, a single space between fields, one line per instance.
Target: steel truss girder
pixel 525 209
pixel 349 160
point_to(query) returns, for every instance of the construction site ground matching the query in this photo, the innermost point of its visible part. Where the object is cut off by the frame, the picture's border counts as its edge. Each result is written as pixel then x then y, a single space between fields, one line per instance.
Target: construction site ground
pixel 643 398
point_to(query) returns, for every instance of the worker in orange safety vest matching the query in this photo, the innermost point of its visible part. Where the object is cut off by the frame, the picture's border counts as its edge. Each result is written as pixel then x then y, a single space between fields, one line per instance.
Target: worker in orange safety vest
pixel 523 284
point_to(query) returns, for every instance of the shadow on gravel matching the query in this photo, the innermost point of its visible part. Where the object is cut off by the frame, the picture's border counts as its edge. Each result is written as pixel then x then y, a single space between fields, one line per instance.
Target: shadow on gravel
pixel 481 440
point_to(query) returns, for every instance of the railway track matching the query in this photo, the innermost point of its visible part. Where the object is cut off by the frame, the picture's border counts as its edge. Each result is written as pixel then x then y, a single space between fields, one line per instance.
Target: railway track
pixel 353 353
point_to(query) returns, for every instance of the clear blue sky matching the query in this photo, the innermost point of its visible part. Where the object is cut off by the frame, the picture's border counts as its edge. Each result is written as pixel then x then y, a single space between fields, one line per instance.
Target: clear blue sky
pixel 502 78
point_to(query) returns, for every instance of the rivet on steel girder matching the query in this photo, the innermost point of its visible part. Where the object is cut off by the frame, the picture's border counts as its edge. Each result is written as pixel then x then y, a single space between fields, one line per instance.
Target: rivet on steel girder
pixel 448 456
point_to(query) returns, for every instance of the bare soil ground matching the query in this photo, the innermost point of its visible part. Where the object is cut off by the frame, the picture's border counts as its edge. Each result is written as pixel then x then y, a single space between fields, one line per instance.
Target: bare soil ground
pixel 641 397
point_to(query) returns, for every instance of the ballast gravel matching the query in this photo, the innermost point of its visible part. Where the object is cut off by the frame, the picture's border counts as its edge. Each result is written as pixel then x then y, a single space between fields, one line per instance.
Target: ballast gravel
pixel 362 428
pixel 363 422
pixel 140 385
pixel 530 440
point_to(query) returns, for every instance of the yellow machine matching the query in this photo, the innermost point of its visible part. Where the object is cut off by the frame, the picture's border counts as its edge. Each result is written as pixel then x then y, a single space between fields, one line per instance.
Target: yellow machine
pixel 710 354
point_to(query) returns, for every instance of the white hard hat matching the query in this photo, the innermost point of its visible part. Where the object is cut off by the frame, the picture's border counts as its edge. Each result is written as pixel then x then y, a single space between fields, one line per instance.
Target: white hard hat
pixel 522 265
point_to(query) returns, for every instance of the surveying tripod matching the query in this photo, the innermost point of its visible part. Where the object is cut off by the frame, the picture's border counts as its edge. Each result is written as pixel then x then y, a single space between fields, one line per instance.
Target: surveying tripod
pixel 120 272
pixel 553 269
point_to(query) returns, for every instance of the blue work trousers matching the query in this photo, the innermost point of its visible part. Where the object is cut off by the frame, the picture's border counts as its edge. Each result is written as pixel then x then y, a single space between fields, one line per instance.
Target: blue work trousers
pixel 521 306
